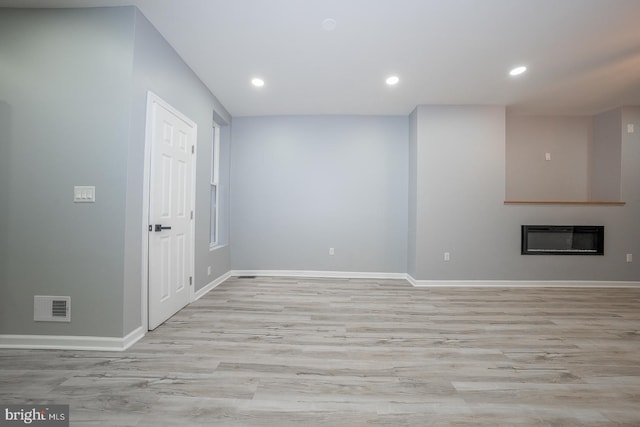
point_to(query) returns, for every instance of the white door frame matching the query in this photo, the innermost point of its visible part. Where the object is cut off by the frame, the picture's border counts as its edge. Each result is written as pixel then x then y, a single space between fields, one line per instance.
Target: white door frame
pixel 152 98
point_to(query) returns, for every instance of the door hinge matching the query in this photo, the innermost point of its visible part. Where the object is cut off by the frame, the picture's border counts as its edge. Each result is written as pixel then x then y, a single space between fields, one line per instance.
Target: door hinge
pixel 191 214
pixel 193 149
pixel 191 280
pixel 150 227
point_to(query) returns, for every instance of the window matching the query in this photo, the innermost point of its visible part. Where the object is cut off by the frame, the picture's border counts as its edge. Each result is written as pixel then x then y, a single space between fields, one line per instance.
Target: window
pixel 214 191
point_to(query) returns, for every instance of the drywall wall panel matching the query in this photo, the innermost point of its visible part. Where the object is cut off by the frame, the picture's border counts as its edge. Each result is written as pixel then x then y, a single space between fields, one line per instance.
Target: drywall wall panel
pixel 461 152
pixel 565 140
pixel 304 184
pixel 65 80
pixel 606 155
pixel 412 225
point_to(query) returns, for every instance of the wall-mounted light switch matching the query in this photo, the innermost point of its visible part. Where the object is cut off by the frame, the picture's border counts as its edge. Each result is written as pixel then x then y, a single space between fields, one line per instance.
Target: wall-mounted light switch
pixel 84 194
pixel 547 156
pixel 629 257
pixel 630 128
pixel 447 256
pixel 332 251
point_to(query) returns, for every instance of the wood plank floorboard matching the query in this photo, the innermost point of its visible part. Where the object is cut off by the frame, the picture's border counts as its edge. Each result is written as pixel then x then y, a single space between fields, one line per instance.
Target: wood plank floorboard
pixel 355 352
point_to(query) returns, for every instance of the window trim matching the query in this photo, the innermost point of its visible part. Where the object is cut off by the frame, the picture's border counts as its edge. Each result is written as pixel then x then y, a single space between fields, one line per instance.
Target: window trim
pixel 214 217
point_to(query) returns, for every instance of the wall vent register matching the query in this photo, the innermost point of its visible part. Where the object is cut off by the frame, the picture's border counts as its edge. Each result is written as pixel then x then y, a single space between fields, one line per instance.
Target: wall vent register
pixel 51 309
pixel 562 240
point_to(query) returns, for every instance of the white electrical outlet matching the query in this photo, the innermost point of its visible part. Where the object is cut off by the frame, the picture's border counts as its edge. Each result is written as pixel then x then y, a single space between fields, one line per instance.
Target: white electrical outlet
pixel 332 251
pixel 447 256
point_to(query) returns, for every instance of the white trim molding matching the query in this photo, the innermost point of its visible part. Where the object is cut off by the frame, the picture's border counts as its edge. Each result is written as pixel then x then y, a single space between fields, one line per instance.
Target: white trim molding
pixel 61 342
pixel 319 274
pixel 202 292
pixel 521 283
pixel 439 283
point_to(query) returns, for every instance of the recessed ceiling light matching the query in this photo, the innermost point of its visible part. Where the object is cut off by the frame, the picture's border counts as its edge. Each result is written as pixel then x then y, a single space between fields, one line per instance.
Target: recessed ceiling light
pixel 392 80
pixel 329 24
pixel 257 82
pixel 518 70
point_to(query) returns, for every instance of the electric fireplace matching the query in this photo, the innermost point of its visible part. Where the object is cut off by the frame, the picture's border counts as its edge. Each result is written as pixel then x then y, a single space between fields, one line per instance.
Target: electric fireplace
pixel 562 240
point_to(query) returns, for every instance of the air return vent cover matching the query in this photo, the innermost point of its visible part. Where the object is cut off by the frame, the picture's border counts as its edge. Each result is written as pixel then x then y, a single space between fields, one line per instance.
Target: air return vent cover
pixel 51 309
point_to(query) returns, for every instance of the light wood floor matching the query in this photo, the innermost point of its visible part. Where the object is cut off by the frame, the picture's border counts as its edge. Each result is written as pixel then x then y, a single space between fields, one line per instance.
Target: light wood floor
pixel 316 352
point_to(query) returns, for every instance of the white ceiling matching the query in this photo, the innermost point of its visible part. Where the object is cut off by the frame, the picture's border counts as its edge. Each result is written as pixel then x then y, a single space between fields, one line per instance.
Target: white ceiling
pixel 583 55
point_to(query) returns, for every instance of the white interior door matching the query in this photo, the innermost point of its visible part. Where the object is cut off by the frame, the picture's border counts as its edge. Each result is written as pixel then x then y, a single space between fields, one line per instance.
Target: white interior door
pixel 171 191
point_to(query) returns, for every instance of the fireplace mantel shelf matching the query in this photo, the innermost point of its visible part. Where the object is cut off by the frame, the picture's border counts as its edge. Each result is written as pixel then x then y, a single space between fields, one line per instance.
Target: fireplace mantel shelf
pixel 563 202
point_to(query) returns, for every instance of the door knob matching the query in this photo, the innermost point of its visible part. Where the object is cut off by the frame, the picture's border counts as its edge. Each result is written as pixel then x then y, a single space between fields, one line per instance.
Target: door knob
pixel 159 227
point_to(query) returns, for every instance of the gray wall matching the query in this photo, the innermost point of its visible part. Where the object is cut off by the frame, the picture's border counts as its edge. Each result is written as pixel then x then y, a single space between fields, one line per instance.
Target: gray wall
pixel 630 154
pixel 412 226
pixel 566 176
pixel 6 146
pixel 66 78
pixel 158 68
pixel 73 90
pixel 460 190
pixel 301 185
pixel 606 155
pixel 629 226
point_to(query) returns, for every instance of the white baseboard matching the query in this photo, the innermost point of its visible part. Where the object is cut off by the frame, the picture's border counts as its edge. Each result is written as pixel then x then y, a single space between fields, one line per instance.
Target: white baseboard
pixel 520 283
pixel 319 274
pixel 133 337
pixel 61 342
pixel 440 283
pixel 202 292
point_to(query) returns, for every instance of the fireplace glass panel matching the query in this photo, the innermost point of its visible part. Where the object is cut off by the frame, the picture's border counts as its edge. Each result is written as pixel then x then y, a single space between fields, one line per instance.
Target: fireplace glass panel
pixel 562 240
